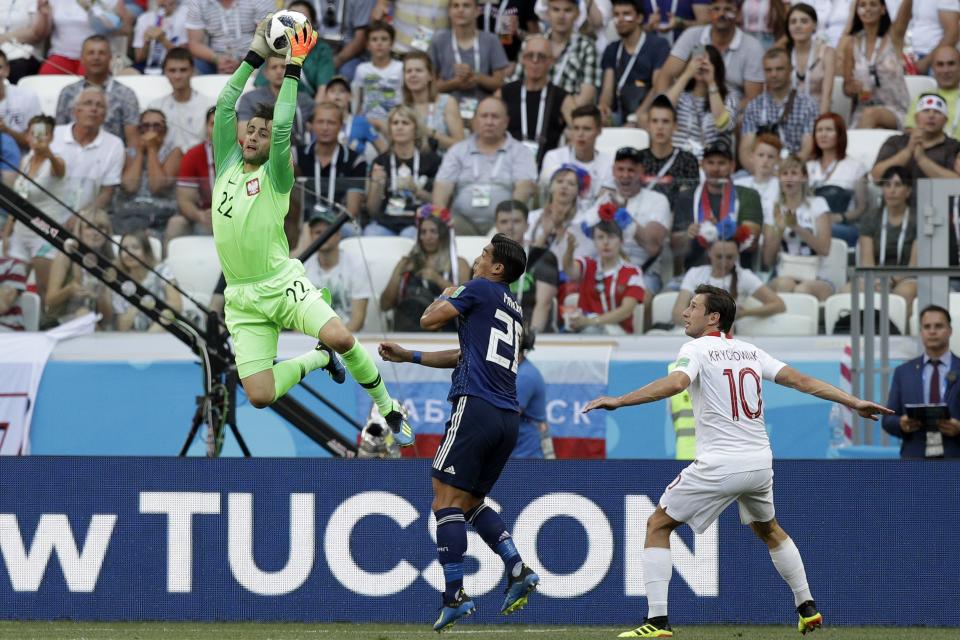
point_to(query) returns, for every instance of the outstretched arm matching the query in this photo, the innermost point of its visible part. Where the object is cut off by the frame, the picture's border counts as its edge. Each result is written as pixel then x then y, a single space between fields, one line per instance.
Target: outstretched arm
pixel 790 377
pixel 225 147
pixel 665 387
pixel 392 352
pixel 302 40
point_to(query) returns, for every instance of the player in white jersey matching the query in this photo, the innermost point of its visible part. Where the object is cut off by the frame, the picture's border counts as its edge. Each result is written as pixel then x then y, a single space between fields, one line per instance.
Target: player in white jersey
pixel 734 461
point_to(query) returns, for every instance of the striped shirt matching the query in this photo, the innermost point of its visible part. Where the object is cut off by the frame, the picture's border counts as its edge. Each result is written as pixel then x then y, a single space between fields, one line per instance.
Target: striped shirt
pixel 696 128
pixel 579 64
pixel 765 110
pixel 229 30
pixel 123 108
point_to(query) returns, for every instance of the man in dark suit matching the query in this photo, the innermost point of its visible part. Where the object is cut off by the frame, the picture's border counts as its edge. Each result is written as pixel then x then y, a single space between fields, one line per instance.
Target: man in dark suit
pixel 929 379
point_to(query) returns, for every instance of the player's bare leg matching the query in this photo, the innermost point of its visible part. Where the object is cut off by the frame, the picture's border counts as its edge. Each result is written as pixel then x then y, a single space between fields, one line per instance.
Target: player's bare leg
pixel 786 558
pixel 361 366
pixel 264 387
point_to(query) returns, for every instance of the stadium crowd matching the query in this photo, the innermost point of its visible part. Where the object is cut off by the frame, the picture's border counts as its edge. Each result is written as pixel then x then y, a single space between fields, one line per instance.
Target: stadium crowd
pixel 436 121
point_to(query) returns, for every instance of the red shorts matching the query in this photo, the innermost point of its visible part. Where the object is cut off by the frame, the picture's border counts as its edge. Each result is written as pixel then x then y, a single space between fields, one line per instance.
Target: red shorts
pixel 61 65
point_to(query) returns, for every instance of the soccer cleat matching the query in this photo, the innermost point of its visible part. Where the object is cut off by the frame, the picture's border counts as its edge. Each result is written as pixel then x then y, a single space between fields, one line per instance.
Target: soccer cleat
pixel 334 367
pixel 649 629
pixel 402 431
pixel 518 590
pixel 810 618
pixel 450 612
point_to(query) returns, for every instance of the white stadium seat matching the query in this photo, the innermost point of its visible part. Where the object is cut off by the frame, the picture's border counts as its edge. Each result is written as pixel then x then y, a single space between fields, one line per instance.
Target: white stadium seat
pixel 147 88
pixel 470 247
pixel 780 324
pixel 917 85
pixel 840 104
pixel 840 303
pixel 662 311
pixel 30 306
pixel 864 144
pixel 612 138
pixel 47 89
pixel 194 262
pixel 835 263
pixel 381 255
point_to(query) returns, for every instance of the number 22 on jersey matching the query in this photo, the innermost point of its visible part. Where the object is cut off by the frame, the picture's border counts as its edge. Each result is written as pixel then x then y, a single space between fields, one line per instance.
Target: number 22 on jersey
pixel 511 338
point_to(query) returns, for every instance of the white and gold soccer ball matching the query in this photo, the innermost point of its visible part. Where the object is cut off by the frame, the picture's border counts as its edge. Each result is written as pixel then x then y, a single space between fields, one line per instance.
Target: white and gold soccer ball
pixel 276 31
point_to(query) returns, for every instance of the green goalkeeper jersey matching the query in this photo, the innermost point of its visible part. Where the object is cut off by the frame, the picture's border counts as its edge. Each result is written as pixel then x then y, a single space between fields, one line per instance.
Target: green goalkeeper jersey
pixel 248 208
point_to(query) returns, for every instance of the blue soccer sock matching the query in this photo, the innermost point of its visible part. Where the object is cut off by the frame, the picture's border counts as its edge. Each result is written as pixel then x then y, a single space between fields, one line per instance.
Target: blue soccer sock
pixel 451 545
pixel 489 525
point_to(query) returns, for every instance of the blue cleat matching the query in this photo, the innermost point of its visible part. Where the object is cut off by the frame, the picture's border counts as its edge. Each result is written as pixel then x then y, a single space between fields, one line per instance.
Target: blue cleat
pixel 518 589
pixel 402 431
pixel 450 612
pixel 334 367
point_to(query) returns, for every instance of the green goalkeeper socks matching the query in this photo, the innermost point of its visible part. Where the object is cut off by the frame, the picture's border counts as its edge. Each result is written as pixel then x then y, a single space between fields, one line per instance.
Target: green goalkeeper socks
pixel 290 372
pixel 365 372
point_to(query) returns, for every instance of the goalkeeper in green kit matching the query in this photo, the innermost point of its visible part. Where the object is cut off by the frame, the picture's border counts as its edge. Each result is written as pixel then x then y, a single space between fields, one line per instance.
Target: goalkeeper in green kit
pixel 267 290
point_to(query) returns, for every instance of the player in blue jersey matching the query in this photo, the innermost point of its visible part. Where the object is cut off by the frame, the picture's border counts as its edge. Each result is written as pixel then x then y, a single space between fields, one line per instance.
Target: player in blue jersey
pixel 482 429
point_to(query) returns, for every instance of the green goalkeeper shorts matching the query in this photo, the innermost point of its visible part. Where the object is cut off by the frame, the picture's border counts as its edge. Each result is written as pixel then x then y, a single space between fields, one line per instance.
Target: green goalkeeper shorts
pixel 256 313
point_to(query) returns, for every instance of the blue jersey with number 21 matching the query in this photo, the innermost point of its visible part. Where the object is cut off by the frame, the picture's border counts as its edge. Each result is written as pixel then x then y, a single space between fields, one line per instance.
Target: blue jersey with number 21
pixel 491 326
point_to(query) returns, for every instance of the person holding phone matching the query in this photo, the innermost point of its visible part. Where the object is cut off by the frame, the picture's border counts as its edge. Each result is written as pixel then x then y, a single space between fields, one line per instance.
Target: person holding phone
pixel 929 379
pixel 43 172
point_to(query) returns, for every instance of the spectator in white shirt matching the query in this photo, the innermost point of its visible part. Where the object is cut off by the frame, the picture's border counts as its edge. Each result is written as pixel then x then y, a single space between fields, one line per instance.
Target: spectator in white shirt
pixel 379 82
pixel 933 24
pixel 184 107
pixel 94 156
pixel 724 271
pixel 17 106
pixel 584 130
pixel 344 275
pixel 650 219
pixel 840 180
pixel 763 175
pixel 801 230
pixel 23 33
pixel 158 32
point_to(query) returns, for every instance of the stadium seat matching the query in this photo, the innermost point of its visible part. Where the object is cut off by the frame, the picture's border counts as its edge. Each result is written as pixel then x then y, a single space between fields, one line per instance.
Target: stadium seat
pixel 211 85
pixel 662 311
pixel 864 144
pixel 842 302
pixel 194 262
pixel 802 304
pixel 381 255
pixel 470 247
pixel 840 104
pixel 30 306
pixel 47 89
pixel 147 88
pixel 835 263
pixel 920 84
pixel 612 138
pixel 779 324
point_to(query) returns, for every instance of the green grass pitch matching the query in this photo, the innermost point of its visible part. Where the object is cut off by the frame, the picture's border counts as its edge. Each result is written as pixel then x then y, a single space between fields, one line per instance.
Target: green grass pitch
pixel 465 631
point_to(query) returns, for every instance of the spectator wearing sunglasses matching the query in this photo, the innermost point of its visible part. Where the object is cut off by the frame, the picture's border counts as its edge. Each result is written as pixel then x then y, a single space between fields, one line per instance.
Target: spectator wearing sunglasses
pixel 146 198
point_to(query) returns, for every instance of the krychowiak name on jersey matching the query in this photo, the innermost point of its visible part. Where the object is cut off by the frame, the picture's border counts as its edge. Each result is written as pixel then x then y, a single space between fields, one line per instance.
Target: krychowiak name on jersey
pixel 726 390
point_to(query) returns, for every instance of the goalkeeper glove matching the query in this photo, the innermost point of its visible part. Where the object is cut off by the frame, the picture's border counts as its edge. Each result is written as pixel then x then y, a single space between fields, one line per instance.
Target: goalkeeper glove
pixel 259 45
pixel 302 41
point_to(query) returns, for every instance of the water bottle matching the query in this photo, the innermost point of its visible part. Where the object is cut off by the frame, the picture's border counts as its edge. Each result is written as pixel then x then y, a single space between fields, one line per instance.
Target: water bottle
pixel 837 439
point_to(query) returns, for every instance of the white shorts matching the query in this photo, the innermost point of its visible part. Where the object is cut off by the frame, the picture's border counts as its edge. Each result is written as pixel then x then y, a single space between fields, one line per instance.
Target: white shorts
pixel 26 245
pixel 698 499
